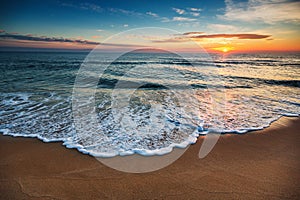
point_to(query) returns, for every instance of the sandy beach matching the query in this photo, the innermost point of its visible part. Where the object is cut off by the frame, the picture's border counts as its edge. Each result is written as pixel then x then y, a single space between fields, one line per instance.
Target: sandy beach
pixel 112 100
pixel 257 165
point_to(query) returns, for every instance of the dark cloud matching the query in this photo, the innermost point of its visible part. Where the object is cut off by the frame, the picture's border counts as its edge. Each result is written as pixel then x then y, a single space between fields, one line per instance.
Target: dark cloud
pixel 199 35
pixel 238 36
pixel 192 33
pixel 30 37
pixel 172 40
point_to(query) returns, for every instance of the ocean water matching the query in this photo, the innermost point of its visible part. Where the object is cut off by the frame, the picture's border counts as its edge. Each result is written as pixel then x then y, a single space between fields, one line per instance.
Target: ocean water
pixel 144 103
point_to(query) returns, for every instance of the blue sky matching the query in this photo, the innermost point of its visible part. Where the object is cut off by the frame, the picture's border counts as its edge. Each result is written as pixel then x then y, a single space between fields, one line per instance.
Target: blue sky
pixel 97 20
pixel 70 18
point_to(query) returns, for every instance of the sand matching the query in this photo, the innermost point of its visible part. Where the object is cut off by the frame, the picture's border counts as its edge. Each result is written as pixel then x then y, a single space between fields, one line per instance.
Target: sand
pixel 257 165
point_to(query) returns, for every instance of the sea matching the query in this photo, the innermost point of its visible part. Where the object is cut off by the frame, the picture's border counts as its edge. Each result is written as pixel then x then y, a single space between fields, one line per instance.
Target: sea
pixel 107 104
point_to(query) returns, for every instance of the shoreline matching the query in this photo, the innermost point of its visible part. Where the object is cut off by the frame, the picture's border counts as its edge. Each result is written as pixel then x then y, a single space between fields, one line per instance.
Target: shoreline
pixel 157 152
pixel 261 164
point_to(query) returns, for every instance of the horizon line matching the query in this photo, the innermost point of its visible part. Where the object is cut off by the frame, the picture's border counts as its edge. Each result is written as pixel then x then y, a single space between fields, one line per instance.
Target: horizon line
pixel 30 49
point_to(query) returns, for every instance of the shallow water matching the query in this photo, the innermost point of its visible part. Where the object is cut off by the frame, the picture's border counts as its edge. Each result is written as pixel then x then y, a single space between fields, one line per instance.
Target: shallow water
pixel 145 103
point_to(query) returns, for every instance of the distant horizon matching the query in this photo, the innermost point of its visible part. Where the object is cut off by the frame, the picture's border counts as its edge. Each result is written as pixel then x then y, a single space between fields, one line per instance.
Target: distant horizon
pixel 44 50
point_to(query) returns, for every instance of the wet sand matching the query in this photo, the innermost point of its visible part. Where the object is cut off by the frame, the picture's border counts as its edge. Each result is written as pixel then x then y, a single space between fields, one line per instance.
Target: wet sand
pixel 257 165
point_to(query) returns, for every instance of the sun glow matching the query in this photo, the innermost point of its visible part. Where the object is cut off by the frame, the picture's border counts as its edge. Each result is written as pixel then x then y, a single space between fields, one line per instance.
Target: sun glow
pixel 224 49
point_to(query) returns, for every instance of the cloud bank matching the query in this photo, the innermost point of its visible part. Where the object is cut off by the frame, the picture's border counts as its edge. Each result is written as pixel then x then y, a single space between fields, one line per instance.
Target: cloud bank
pixel 238 36
pixel 25 38
pixel 30 37
pixel 267 11
pixel 200 35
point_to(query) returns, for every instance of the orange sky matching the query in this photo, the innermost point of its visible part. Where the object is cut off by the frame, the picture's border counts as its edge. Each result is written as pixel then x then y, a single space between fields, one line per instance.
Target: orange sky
pixel 211 44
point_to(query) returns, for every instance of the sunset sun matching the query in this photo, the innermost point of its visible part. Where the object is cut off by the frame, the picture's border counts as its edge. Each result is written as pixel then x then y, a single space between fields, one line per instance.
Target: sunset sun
pixel 225 49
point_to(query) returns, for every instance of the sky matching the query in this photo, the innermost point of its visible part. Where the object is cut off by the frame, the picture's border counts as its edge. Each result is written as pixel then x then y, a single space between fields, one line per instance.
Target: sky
pixel 221 26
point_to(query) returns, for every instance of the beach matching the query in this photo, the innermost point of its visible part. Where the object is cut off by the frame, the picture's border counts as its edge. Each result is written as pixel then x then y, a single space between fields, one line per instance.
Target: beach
pixel 150 100
pixel 256 165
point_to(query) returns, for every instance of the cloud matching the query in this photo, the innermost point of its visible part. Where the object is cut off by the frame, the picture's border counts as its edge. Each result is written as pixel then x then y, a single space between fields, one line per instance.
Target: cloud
pixel 237 36
pixel 8 37
pixel 172 40
pixel 165 19
pixel 195 14
pixel 84 6
pixel 99 9
pixel 100 30
pixel 183 19
pixel 222 27
pixel 179 11
pixel 267 11
pixel 125 25
pixel 152 14
pixel 193 24
pixel 199 35
pixel 193 33
pixel 30 37
pixel 178 19
pixel 90 6
pixel 195 9
pixel 125 12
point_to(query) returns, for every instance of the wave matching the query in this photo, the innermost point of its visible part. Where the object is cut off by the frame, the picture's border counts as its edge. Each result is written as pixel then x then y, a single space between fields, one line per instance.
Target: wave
pixel 36 100
pixel 115 83
pixel 192 139
pixel 292 83
pixel 48 116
